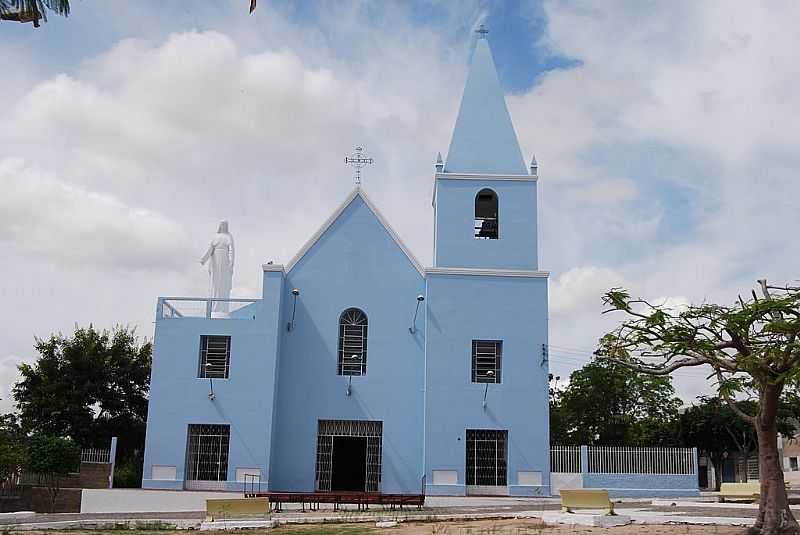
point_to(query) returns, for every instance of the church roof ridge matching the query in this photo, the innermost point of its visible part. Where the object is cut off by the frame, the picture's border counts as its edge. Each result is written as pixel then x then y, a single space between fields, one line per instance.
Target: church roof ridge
pixel 355 193
pixel 484 140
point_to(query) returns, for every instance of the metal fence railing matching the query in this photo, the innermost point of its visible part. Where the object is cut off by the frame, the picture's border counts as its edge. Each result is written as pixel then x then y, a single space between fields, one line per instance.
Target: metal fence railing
pixel 623 460
pixel 95 455
pixel 201 307
pixel 565 459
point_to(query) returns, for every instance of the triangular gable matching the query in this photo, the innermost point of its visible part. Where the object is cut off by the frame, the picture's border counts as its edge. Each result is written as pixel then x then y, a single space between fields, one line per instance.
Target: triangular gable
pixel 357 192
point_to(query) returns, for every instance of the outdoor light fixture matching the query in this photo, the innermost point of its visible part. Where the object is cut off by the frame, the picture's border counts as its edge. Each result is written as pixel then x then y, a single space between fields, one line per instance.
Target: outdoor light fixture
pixel 489 373
pixel 290 325
pixel 413 328
pixel 211 395
pixel 350 378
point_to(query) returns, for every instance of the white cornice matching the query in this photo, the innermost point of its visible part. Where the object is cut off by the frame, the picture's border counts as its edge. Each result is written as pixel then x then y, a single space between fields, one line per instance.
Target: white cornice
pixel 357 192
pixel 485 176
pixel 480 177
pixel 272 267
pixel 487 272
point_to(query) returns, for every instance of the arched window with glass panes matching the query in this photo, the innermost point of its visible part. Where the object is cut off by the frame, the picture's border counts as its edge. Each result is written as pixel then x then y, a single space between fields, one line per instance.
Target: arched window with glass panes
pixel 352 342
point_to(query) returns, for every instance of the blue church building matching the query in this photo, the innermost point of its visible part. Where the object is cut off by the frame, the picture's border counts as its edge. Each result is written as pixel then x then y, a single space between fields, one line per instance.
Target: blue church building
pixel 359 369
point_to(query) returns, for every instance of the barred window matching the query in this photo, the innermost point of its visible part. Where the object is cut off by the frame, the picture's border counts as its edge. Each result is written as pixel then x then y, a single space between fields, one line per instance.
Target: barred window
pixel 215 357
pixel 487 457
pixel 487 356
pixel 352 343
pixel 207 452
pixel 486 226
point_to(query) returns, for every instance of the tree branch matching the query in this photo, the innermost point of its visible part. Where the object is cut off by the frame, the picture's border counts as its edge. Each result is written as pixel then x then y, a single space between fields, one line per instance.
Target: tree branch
pixel 743 415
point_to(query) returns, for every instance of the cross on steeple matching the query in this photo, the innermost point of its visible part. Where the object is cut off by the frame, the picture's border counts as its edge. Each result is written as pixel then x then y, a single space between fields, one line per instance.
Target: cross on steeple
pixel 481 31
pixel 357 160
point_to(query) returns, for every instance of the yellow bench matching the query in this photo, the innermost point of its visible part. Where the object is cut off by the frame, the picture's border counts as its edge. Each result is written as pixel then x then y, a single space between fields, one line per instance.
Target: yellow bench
pixel 739 491
pixel 585 499
pixel 229 508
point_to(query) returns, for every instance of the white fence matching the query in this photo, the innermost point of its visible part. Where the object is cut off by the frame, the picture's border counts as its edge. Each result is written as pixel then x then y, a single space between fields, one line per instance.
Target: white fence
pixel 200 307
pixel 565 459
pixel 95 455
pixel 623 460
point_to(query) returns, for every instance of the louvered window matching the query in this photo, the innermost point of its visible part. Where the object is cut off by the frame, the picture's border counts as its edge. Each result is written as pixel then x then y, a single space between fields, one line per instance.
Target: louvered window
pixel 215 357
pixel 352 343
pixel 487 356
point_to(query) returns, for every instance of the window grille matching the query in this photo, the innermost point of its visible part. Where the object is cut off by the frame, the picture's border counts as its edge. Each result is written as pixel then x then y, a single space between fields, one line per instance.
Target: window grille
pixel 352 343
pixel 207 452
pixel 215 357
pixel 487 457
pixel 328 429
pixel 486 222
pixel 487 358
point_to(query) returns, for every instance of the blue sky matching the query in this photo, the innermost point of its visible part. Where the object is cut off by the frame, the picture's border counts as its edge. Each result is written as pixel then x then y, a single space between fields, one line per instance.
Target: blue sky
pixel 665 132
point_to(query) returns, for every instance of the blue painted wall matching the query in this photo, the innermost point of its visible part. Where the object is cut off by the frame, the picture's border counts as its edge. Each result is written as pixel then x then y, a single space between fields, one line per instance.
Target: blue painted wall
pixel 643 485
pixel 514 310
pixel 355 263
pixel 179 398
pixel 456 246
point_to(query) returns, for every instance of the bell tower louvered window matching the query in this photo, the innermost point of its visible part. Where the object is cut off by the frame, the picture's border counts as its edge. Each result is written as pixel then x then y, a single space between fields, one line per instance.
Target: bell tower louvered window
pixel 352 343
pixel 486 225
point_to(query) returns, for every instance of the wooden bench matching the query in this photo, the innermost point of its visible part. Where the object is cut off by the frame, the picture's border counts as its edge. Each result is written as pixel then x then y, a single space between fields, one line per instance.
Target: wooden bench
pixel 739 491
pixel 362 499
pixel 585 499
pixel 230 508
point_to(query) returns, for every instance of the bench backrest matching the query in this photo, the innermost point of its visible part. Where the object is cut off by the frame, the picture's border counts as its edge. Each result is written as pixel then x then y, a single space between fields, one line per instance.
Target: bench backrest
pixel 740 489
pixel 228 508
pixel 586 498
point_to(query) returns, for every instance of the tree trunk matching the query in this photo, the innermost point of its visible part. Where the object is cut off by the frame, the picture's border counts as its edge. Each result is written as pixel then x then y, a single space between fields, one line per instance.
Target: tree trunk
pixel 774 516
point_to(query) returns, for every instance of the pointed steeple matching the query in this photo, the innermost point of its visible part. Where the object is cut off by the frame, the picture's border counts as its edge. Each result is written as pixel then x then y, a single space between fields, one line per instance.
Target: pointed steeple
pixel 484 140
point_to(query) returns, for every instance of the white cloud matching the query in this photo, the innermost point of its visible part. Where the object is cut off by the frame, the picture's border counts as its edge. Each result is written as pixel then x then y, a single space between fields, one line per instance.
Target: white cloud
pixel 48 218
pixel 668 154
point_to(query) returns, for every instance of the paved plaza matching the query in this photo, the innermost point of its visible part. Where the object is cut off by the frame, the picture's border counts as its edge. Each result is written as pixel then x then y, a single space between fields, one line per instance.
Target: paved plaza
pixel 440 515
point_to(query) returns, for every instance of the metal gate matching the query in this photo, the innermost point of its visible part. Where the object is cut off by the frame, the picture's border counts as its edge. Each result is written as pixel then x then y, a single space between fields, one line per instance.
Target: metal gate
pixel 327 429
pixel 207 456
pixel 487 457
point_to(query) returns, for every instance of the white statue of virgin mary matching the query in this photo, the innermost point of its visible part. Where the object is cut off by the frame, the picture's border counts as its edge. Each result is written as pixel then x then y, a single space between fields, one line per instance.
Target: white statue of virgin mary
pixel 221 255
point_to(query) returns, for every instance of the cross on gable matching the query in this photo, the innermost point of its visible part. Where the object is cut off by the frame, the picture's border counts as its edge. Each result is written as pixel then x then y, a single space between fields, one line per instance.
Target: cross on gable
pixel 358 160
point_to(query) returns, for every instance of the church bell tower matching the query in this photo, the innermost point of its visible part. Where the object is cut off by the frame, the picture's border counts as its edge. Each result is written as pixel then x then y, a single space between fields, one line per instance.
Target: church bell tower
pixel 484 197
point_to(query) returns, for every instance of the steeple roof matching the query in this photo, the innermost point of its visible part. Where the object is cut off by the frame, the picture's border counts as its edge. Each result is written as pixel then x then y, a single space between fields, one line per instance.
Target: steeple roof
pixel 484 140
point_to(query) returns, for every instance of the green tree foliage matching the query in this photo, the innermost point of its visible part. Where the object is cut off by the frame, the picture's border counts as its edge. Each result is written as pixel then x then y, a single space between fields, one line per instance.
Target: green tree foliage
pixel 32 10
pixel 717 431
pixel 608 404
pixel 88 387
pixel 53 458
pixel 13 451
pixel 752 348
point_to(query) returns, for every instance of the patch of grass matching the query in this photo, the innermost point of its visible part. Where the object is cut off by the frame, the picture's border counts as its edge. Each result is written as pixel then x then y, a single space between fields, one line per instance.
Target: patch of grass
pixel 322 529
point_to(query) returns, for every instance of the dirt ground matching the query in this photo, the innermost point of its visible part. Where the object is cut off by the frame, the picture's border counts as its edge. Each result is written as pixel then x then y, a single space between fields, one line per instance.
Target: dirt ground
pixel 476 527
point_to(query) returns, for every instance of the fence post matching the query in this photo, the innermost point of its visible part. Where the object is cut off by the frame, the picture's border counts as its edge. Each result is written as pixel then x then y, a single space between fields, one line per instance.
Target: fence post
pixel 113 460
pixel 584 461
